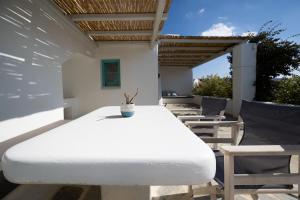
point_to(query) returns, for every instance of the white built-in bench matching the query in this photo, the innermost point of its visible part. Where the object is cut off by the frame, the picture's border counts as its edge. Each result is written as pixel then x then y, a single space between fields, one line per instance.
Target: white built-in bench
pixel 14 191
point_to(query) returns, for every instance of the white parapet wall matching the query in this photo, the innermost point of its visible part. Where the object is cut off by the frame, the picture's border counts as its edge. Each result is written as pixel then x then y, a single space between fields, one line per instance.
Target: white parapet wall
pixel 177 100
pixel 139 69
pixel 35 40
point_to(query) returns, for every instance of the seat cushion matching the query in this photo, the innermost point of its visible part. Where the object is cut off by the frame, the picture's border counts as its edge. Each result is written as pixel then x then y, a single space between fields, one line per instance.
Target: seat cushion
pixel 5 186
pixel 219 177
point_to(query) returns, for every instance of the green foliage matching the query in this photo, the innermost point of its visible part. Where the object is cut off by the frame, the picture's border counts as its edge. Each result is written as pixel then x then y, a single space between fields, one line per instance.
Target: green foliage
pixel 275 56
pixel 288 91
pixel 214 86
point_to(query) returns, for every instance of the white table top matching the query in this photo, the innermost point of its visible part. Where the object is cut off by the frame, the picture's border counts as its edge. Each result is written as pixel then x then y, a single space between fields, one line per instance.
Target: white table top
pixel 101 148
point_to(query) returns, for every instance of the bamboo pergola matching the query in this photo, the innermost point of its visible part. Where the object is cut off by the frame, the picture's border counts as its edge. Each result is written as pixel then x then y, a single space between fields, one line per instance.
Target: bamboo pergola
pixel 117 20
pixel 191 51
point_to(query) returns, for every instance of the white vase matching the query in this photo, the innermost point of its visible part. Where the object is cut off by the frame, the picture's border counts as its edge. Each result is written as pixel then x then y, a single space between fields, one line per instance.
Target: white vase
pixel 127 110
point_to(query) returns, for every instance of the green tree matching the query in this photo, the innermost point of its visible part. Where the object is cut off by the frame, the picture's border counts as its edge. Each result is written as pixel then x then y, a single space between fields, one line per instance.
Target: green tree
pixel 275 56
pixel 214 85
pixel 288 91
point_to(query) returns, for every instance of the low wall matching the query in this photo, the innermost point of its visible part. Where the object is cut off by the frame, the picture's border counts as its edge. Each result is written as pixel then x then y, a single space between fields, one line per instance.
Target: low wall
pixel 177 100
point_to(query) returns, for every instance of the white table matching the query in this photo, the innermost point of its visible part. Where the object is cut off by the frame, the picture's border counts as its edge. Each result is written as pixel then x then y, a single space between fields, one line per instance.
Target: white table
pixel 102 148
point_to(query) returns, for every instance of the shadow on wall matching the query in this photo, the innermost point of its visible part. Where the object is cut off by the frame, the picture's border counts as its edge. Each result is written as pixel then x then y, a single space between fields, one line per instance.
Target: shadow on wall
pixel 30 61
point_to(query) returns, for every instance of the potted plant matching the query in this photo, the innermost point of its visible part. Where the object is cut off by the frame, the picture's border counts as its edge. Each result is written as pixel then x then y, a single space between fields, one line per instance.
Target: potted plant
pixel 127 109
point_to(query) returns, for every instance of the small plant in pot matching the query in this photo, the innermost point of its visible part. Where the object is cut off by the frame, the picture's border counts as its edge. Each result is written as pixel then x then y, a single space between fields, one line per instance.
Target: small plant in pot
pixel 127 109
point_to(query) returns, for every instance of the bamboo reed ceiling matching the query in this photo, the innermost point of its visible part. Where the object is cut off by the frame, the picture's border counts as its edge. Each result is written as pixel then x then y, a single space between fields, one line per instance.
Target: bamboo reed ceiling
pixel 122 38
pixel 116 25
pixel 109 6
pixel 83 9
pixel 191 51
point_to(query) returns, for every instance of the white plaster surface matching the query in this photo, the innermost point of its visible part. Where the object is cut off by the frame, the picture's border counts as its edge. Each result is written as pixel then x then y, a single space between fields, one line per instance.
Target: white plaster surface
pixel 139 69
pixel 35 40
pixel 101 148
pixel 244 75
pixel 178 79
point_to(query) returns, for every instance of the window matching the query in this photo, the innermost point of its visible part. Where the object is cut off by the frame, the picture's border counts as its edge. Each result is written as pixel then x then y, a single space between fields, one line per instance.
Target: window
pixel 111 73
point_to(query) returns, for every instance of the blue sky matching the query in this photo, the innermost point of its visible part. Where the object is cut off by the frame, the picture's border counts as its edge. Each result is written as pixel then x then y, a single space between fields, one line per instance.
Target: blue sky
pixel 230 17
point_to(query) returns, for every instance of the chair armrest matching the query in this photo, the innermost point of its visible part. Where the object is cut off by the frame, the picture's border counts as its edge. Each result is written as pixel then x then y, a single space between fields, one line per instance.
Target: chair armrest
pixel 261 150
pixel 186 110
pixel 218 140
pixel 213 123
pixel 199 117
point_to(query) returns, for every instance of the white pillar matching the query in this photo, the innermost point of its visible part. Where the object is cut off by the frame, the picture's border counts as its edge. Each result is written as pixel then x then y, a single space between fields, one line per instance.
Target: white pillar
pixel 244 74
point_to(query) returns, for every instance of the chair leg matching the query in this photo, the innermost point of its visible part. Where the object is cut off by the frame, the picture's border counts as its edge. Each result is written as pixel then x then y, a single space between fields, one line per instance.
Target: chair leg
pixel 254 196
pixel 298 172
pixel 190 192
pixel 229 177
pixel 212 191
pixel 215 135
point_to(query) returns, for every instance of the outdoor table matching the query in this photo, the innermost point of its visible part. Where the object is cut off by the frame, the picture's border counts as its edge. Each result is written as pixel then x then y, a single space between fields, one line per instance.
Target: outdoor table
pixel 123 155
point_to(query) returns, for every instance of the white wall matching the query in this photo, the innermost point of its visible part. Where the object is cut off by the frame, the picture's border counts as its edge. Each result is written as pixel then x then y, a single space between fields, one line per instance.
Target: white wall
pixel 35 40
pixel 243 74
pixel 139 69
pixel 178 79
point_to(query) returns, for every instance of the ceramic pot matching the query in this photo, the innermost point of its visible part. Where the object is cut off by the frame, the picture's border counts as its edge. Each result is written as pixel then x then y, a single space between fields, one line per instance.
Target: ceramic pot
pixel 127 110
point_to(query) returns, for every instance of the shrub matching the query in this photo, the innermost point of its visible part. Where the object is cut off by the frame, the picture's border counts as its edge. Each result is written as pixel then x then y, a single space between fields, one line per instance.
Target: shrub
pixel 214 85
pixel 275 57
pixel 288 91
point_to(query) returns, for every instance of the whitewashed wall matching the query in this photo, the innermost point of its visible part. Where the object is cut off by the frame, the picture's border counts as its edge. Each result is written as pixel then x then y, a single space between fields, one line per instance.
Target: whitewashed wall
pixel 179 79
pixel 35 40
pixel 139 69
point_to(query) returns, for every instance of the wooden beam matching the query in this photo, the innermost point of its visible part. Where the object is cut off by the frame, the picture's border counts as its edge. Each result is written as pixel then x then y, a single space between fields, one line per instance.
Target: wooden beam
pixel 116 17
pixel 201 41
pixel 175 65
pixel 159 14
pixel 51 5
pixel 179 61
pixel 168 49
pixel 182 59
pixel 144 42
pixel 216 55
pixel 186 54
pixel 119 33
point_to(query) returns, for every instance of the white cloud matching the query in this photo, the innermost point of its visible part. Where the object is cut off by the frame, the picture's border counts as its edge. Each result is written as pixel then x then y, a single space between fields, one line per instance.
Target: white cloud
pixel 249 33
pixel 172 34
pixel 191 14
pixel 219 29
pixel 202 10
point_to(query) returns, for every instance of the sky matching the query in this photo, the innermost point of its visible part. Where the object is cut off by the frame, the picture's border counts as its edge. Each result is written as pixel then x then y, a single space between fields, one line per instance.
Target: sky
pixel 227 18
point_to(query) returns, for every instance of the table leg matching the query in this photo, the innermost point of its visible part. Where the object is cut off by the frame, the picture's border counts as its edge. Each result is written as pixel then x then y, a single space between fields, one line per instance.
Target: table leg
pixel 125 193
